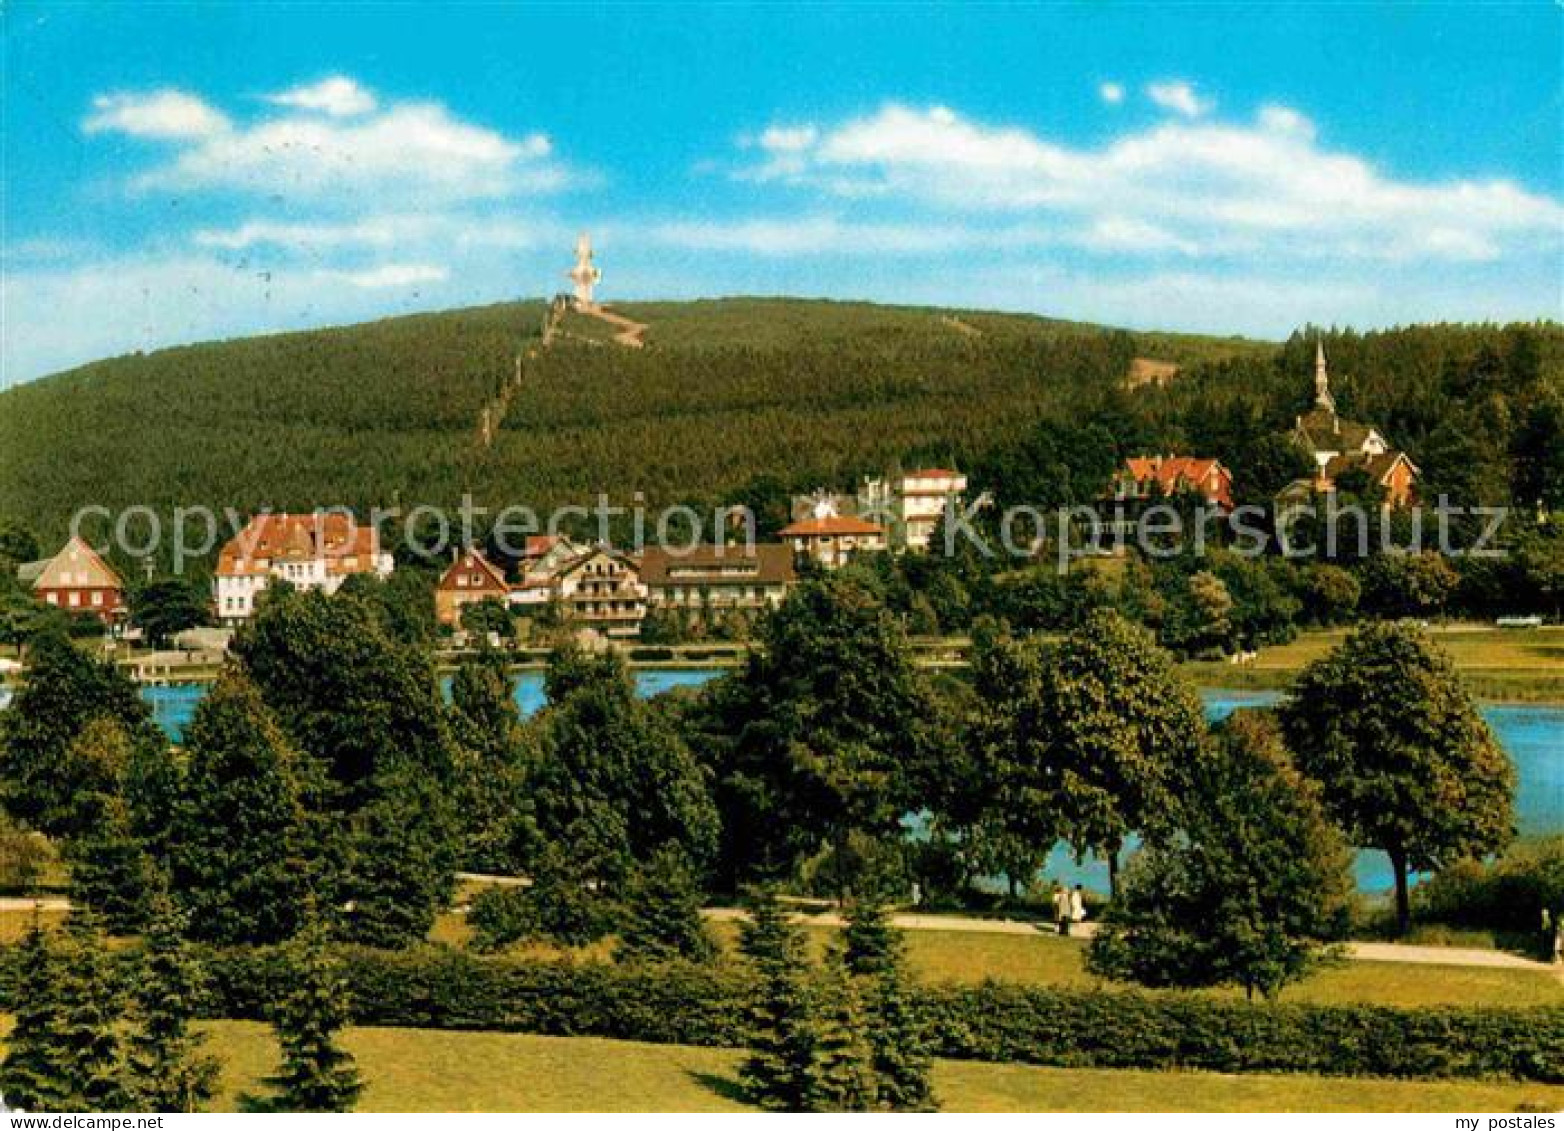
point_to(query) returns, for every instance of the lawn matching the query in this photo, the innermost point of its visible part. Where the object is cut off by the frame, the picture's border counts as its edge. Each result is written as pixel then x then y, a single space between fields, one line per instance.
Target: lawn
pixel 965 956
pixel 1501 664
pixel 426 1070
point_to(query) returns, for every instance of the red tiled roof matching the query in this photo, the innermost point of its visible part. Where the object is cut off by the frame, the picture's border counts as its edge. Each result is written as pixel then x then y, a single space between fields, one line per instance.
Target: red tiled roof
pixel 1174 473
pixel 539 544
pixel 469 561
pixel 334 536
pixel 932 473
pixel 829 525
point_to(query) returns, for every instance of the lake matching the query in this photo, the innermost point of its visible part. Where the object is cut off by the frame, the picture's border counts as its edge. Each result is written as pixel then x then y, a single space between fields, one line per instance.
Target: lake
pixel 1533 736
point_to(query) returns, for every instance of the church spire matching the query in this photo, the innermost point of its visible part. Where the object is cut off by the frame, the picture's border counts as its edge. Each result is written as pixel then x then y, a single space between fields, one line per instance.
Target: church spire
pixel 1322 396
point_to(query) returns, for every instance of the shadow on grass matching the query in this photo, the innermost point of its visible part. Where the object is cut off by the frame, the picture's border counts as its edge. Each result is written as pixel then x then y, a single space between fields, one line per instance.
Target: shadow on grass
pixel 725 1086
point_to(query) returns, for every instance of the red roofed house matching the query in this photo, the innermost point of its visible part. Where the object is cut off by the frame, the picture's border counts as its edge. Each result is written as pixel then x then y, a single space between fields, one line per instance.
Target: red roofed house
pixel 1162 477
pixel 830 538
pixel 469 579
pixel 309 551
pixel 77 580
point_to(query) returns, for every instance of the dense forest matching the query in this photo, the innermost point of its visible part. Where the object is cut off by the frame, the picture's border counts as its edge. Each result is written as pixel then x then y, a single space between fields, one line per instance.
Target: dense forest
pixel 749 399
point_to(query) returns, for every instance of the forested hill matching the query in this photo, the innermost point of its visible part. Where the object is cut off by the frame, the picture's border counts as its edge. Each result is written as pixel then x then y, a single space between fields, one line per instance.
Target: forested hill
pixel 749 399
pixel 724 391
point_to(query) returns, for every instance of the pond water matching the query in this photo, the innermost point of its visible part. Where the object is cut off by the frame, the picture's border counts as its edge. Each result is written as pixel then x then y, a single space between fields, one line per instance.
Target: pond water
pixel 1533 736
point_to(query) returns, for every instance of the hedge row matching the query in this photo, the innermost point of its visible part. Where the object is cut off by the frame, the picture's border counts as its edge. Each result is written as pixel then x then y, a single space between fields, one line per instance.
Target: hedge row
pixel 441 988
pixel 437 988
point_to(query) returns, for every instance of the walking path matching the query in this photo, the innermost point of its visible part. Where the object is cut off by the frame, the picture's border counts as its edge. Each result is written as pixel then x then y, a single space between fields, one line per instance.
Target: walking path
pixel 958 325
pixel 912 921
pixel 1362 951
pixel 630 331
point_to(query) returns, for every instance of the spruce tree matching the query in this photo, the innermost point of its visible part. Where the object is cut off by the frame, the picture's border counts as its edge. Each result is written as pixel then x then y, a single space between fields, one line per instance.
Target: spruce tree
pixel 90 1010
pixel 31 1077
pixel 47 762
pixel 898 1034
pixel 235 840
pixel 778 1074
pixel 842 1070
pixel 316 1075
pixel 111 870
pixel 494 754
pixel 166 1070
pixel 663 912
pixel 870 943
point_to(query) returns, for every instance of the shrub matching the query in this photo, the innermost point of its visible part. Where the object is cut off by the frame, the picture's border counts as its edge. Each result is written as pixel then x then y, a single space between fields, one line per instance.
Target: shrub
pixel 499 917
pixel 554 907
pixel 1507 895
pixel 684 1003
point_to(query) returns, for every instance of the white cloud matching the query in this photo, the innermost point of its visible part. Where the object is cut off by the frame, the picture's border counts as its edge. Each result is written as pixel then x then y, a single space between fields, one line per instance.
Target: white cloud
pixel 1285 120
pixel 329 143
pixel 163 115
pixel 1127 234
pixel 1206 188
pixel 393 275
pixel 785 139
pixel 1111 92
pixel 807 235
pixel 338 96
pixel 431 231
pixel 1180 97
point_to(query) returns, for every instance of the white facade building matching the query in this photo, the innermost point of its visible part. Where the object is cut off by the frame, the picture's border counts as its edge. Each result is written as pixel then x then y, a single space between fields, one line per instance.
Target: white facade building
pixel 308 551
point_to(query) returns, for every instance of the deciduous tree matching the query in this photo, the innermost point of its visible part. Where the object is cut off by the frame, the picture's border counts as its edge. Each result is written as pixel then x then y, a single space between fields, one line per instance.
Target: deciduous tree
pixel 1250 888
pixel 1405 761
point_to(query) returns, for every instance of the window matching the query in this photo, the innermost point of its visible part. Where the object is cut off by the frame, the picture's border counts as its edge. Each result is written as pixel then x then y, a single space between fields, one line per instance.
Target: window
pixel 97 597
pixel 75 598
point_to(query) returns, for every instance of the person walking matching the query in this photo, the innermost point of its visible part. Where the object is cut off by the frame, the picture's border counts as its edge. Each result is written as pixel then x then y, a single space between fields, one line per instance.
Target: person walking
pixel 1077 905
pixel 1061 908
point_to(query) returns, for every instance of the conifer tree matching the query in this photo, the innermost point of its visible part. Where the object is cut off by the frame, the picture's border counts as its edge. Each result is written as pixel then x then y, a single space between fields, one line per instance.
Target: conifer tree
pixel 48 762
pixel 31 1077
pixel 898 1034
pixel 111 871
pixel 842 1071
pixel 316 1074
pixel 870 943
pixel 90 1009
pixel 663 912
pixel 166 1069
pixel 235 839
pixel 778 1074
pixel 494 754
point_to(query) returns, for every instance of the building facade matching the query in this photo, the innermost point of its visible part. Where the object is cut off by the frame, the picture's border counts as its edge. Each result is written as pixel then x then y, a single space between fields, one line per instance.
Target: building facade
pixel 1149 478
pixel 601 589
pixel 921 499
pixel 78 580
pixel 309 551
pixel 830 539
pixel 716 580
pixel 469 579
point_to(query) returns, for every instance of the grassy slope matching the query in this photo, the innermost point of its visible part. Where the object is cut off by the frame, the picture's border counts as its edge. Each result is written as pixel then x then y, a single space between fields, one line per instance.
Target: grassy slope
pixel 419 1070
pixel 364 414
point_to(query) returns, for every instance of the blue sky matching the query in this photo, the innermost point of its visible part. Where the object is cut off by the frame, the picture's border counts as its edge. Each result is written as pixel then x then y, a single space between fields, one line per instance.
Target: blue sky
pixel 179 173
